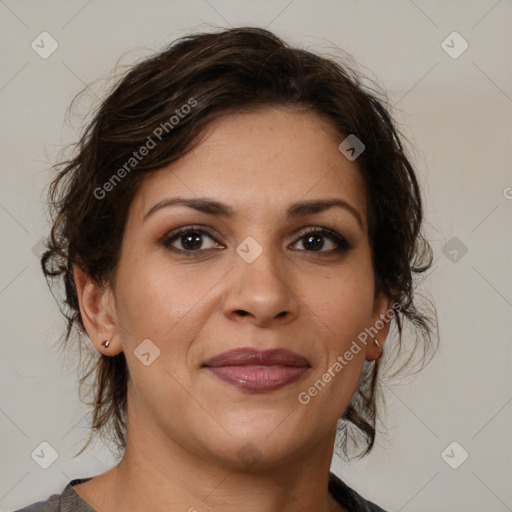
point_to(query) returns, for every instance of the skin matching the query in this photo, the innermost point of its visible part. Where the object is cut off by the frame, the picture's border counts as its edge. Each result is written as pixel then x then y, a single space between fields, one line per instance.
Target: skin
pixel 186 426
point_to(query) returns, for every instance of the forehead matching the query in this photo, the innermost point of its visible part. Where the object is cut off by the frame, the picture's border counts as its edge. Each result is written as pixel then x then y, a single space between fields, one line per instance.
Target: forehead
pixel 260 161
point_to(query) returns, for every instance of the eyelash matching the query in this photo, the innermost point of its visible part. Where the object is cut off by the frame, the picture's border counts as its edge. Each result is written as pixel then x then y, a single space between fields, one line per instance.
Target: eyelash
pixel 342 244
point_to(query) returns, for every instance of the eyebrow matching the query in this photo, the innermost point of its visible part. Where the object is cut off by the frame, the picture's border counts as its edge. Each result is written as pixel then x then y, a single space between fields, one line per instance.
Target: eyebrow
pixel 216 208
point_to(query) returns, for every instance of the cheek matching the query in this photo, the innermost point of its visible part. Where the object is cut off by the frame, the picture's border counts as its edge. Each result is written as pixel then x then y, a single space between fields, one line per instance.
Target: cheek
pixel 342 310
pixel 343 302
pixel 155 296
pixel 167 305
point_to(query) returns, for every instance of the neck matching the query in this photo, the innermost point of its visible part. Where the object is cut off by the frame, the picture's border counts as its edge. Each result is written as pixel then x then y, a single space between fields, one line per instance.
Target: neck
pixel 176 480
pixel 158 473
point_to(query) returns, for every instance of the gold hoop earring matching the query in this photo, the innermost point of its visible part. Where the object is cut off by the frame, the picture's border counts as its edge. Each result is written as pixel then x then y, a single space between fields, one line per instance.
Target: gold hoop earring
pixel 377 343
pixel 105 343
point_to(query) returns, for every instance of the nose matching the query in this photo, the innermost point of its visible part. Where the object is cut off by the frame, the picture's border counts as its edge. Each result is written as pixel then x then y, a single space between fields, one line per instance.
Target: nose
pixel 261 292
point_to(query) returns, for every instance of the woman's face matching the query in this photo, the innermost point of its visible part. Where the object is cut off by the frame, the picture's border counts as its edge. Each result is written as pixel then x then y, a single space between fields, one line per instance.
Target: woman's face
pixel 255 279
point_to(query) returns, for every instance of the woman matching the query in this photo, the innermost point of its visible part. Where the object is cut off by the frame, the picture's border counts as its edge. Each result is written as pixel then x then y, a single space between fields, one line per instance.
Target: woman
pixel 237 232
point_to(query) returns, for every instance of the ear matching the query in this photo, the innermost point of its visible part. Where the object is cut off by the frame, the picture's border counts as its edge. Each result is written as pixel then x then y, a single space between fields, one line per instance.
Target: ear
pixel 380 325
pixel 98 312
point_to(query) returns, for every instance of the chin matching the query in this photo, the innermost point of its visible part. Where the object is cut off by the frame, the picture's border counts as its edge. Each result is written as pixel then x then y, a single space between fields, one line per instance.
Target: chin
pixel 261 440
pixel 258 454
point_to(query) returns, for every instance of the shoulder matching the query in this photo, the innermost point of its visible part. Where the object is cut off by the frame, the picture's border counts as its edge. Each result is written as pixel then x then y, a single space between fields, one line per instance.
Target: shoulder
pixel 67 501
pixel 349 498
pixel 50 505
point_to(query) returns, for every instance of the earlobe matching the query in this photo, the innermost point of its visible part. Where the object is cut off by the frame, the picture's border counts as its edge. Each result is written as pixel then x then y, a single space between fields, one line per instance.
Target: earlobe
pixel 95 302
pixel 381 324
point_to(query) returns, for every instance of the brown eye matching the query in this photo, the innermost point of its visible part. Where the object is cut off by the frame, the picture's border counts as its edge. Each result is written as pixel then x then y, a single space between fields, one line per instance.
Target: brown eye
pixel 189 239
pixel 313 240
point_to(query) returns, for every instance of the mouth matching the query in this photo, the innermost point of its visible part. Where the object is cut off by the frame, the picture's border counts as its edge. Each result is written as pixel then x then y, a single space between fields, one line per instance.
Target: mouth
pixel 256 370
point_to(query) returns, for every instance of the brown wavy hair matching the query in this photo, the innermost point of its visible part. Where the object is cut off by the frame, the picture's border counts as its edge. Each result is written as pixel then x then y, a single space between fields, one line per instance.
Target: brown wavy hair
pixel 218 73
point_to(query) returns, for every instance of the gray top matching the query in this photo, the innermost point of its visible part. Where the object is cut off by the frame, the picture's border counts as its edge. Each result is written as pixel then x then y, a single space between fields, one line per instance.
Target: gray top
pixel 70 501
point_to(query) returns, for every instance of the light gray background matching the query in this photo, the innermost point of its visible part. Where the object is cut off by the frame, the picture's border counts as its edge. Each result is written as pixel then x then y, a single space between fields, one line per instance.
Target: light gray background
pixel 456 113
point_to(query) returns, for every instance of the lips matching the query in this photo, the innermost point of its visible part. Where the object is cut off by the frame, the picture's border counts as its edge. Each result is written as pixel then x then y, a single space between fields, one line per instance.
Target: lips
pixel 256 370
pixel 249 356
